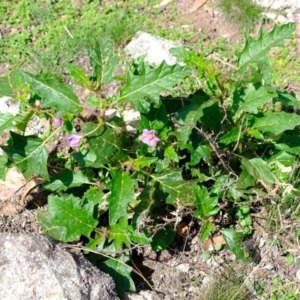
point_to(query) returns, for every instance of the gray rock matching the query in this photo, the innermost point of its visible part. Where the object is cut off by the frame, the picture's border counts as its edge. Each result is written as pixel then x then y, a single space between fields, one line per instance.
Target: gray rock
pixel 36 126
pixel 292 5
pixel 155 48
pixel 34 266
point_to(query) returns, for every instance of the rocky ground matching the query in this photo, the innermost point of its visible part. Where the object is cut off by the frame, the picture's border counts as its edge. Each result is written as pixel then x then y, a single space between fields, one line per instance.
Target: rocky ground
pixel 180 272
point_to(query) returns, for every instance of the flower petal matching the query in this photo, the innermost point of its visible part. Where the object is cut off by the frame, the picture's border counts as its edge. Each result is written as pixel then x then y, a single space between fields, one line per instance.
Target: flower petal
pixel 74 140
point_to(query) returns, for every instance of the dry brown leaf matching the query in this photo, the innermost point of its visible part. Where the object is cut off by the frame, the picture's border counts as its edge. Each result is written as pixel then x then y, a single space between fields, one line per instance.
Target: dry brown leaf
pixel 8 209
pixel 14 181
pixel 182 228
pixel 209 244
pixel 31 184
pixel 196 5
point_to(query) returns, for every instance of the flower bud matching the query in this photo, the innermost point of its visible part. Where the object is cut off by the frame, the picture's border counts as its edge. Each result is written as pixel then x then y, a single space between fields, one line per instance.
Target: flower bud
pixel 57 122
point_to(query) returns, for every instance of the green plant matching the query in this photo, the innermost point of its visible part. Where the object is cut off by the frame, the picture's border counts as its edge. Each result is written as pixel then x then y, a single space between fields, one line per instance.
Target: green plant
pixel 280 290
pixel 229 286
pixel 214 150
pixel 244 12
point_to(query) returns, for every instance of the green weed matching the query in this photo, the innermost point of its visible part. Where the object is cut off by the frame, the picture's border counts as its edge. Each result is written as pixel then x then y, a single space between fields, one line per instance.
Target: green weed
pixel 243 12
pixel 229 286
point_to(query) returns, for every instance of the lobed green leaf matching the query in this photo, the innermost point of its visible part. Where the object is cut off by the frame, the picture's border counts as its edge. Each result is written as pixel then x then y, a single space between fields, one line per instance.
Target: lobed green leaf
pixel 29 153
pixel 277 123
pixel 122 192
pixel 65 180
pixel 206 205
pixel 150 83
pixel 259 169
pixel 255 50
pixel 68 218
pixel 233 240
pixel 5 87
pixel 54 94
pixel 120 273
pixel 103 60
pixel 173 184
pixel 254 98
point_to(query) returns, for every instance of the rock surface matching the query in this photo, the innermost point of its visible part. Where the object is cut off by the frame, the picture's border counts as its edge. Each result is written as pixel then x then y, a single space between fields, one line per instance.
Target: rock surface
pixel 292 5
pixel 34 266
pixel 155 48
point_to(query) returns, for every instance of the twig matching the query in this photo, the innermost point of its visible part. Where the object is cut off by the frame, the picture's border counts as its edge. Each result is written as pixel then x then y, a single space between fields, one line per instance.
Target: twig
pixel 214 147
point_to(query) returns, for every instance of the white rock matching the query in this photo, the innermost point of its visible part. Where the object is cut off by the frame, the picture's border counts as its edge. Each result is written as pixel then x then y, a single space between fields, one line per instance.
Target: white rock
pixel 133 296
pixel 268 267
pixel 149 295
pixel 33 266
pixel 207 280
pixel 110 113
pixel 36 126
pixel 270 15
pixel 183 268
pixel 155 48
pixel 279 4
pixel 142 295
pixel 282 19
pixel 131 116
pixel 8 105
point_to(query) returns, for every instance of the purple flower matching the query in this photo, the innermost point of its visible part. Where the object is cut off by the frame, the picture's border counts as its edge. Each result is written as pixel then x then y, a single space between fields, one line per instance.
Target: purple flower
pixel 74 140
pixel 57 122
pixel 148 137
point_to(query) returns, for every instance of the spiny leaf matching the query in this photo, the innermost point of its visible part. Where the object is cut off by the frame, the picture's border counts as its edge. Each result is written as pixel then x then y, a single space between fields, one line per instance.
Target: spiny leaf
pixel 255 50
pixel 103 60
pixel 106 144
pixel 171 153
pixel 254 98
pixel 231 136
pixel 206 228
pixel 245 180
pixel 6 122
pixel 233 240
pixel 65 180
pixel 259 169
pixel 3 168
pixel 143 161
pixel 201 152
pixel 163 238
pixel 206 205
pixel 67 218
pixel 79 75
pixel 150 83
pixel 277 123
pixel 122 192
pixel 29 153
pixel 54 94
pixel 120 273
pixel 5 88
pixel 95 195
pixel 120 233
pixel 173 184
pixel 188 116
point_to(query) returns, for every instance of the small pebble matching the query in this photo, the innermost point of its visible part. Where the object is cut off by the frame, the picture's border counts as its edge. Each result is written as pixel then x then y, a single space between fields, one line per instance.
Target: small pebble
pixel 183 268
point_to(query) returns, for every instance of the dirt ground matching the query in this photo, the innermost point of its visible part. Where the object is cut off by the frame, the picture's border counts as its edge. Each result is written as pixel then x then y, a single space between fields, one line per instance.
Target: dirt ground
pixel 180 272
